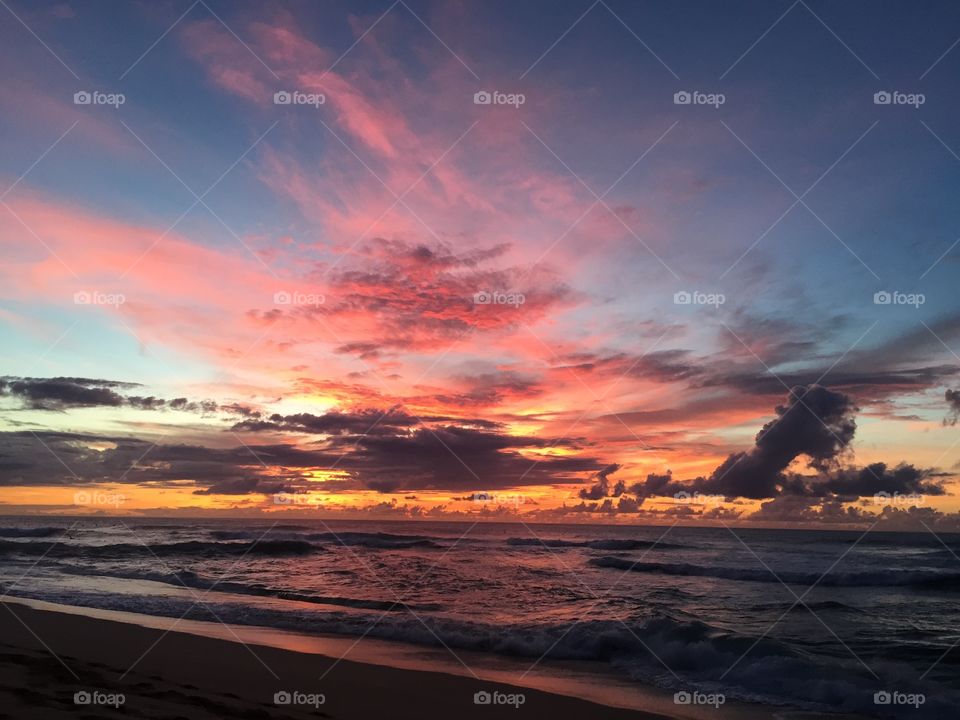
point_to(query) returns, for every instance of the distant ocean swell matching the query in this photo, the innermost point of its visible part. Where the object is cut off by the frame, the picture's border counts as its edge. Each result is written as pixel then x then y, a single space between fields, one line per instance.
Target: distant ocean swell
pixel 190 547
pixel 189 579
pixel 881 578
pixel 290 540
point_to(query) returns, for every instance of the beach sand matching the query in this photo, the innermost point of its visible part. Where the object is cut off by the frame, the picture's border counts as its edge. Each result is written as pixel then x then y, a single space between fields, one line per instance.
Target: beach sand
pixel 47 657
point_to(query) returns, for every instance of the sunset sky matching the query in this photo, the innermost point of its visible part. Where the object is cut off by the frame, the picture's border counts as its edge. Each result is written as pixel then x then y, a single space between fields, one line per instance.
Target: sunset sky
pixel 386 298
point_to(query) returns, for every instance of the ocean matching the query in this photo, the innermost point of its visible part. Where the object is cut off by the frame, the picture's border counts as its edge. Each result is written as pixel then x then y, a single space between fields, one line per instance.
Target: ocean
pixel 812 620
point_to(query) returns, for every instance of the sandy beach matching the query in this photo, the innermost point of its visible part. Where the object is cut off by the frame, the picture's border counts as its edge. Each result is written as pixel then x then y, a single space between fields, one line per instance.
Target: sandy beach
pixel 49 657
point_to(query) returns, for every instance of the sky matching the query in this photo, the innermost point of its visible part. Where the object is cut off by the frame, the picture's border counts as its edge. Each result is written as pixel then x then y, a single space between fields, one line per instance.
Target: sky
pixel 608 262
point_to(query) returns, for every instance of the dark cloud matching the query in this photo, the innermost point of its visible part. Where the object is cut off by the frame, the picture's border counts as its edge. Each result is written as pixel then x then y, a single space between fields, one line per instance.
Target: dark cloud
pixel 953 402
pixel 815 422
pixel 334 423
pixel 403 459
pixel 601 488
pixel 656 484
pixel 818 425
pixel 878 478
pixel 454 457
pixel 241 410
pixel 60 393
pixel 804 510
pixel 245 486
pixel 146 403
pixel 205 407
pixel 48 458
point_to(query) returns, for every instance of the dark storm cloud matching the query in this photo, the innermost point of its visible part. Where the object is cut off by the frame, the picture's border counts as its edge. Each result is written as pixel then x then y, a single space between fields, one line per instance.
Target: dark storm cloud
pixel 47 458
pixel 816 424
pixel 360 422
pixel 205 407
pixel 601 488
pixel 60 393
pixel 657 484
pixel 245 486
pixel 878 478
pixel 333 423
pixel 146 403
pixel 442 457
pixel 915 518
pixel 953 402
pixel 460 458
pixel 241 410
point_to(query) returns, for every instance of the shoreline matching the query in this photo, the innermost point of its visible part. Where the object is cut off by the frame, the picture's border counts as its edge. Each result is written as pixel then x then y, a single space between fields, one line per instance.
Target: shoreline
pixel 234 671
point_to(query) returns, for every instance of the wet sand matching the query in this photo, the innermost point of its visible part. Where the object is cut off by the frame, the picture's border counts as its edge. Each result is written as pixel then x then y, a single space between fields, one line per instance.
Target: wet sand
pixel 48 657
